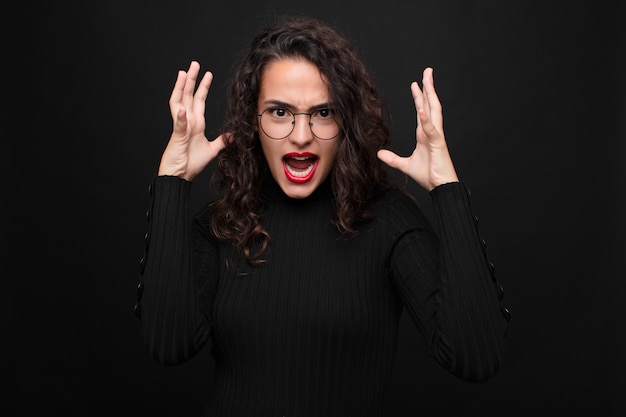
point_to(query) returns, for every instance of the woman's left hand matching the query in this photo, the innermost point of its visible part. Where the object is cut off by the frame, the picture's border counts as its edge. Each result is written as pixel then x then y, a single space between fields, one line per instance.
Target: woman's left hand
pixel 430 163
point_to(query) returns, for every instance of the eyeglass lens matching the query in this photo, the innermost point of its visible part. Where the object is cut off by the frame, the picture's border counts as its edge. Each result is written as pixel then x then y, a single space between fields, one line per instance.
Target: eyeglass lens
pixel 278 123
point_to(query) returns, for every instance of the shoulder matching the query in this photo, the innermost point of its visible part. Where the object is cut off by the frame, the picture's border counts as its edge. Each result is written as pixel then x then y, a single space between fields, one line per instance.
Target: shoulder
pixel 398 211
pixel 393 200
pixel 202 222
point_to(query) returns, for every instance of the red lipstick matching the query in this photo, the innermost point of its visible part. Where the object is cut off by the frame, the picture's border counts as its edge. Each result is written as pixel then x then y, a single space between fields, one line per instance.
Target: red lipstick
pixel 300 167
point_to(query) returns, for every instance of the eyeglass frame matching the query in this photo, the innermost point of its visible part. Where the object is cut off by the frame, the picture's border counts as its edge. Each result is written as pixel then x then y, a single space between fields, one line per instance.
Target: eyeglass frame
pixel 293 123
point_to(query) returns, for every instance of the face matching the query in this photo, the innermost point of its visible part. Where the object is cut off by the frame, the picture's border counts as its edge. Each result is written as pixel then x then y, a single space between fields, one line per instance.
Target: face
pixel 300 162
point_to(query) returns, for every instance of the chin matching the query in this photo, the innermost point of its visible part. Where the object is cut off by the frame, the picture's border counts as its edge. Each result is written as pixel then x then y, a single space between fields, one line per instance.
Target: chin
pixel 298 191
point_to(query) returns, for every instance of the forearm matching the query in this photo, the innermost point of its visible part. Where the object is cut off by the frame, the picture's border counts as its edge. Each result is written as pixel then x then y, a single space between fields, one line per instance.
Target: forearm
pixel 471 317
pixel 172 325
pixel 447 286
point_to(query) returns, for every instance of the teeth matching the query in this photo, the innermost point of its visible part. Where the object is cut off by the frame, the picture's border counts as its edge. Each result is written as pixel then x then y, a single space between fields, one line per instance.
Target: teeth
pixel 300 173
pixel 300 158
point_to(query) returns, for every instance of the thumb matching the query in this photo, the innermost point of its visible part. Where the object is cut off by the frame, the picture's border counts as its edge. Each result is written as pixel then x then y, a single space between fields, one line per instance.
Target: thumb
pixel 390 158
pixel 220 142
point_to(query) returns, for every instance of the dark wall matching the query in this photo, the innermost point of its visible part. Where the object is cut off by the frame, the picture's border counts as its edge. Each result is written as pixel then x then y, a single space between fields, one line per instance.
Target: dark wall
pixel 534 116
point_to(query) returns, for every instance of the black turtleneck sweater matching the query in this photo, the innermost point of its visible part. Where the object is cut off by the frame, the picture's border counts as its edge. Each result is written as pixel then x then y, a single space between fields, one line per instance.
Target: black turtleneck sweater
pixel 313 330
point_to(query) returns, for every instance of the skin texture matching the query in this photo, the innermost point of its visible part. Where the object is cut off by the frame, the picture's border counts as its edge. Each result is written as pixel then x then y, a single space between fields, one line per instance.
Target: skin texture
pixel 188 151
pixel 299 84
pixel 430 164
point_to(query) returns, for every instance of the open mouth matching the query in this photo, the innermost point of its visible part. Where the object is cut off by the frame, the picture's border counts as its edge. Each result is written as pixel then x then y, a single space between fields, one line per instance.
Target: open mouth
pixel 300 167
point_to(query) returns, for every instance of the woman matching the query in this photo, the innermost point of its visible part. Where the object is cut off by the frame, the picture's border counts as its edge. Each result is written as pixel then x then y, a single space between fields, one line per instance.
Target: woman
pixel 299 270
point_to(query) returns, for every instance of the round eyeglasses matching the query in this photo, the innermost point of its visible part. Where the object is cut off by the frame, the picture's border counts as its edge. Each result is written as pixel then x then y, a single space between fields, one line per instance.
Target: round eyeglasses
pixel 278 123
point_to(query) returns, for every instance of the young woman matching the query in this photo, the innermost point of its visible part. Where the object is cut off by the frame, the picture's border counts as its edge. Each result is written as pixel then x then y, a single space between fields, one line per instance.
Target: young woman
pixel 300 268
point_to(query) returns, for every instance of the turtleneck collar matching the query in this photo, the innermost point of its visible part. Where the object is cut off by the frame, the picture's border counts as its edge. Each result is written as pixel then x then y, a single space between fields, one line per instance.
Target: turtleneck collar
pixel 272 193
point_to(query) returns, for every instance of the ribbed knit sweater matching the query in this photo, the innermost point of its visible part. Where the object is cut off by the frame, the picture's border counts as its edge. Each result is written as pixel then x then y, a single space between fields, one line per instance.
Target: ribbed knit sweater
pixel 313 330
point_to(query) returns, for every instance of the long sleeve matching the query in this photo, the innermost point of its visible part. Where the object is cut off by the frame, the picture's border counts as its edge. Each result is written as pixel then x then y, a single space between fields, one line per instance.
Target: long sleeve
pixel 172 306
pixel 322 312
pixel 448 287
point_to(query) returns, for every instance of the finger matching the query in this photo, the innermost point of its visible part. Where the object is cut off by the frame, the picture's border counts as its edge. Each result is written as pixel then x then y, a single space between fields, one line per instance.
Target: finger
pixel 227 138
pixel 420 103
pixel 422 117
pixel 177 91
pixel 430 130
pixel 392 159
pixel 199 99
pixel 418 96
pixel 190 83
pixel 219 143
pixel 207 150
pixel 433 105
pixel 180 123
pixel 426 77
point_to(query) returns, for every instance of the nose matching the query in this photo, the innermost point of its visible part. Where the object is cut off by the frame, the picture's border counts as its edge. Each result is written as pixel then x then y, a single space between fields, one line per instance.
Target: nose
pixel 301 133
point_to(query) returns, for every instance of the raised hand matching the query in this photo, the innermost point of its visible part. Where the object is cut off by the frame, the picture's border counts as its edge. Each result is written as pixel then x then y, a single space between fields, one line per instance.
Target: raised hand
pixel 188 151
pixel 430 163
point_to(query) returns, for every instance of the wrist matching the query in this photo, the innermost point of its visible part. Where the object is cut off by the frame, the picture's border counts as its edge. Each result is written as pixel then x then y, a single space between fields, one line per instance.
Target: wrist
pixel 173 171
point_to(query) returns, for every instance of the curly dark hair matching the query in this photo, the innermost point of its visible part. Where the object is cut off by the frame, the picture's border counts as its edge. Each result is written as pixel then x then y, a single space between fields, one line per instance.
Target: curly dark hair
pixel 357 174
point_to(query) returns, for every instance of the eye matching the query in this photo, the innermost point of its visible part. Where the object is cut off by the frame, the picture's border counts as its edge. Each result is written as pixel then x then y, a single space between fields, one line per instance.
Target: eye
pixel 324 113
pixel 279 112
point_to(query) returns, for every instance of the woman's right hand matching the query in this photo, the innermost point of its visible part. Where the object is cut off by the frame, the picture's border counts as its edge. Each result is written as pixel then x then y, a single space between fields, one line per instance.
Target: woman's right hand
pixel 188 151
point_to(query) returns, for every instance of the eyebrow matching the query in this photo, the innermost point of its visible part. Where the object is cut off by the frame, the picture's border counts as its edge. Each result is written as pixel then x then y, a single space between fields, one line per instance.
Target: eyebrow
pixel 291 107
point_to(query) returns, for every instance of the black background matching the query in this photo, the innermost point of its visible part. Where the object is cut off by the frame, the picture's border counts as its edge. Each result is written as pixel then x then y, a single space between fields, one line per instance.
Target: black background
pixel 534 116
